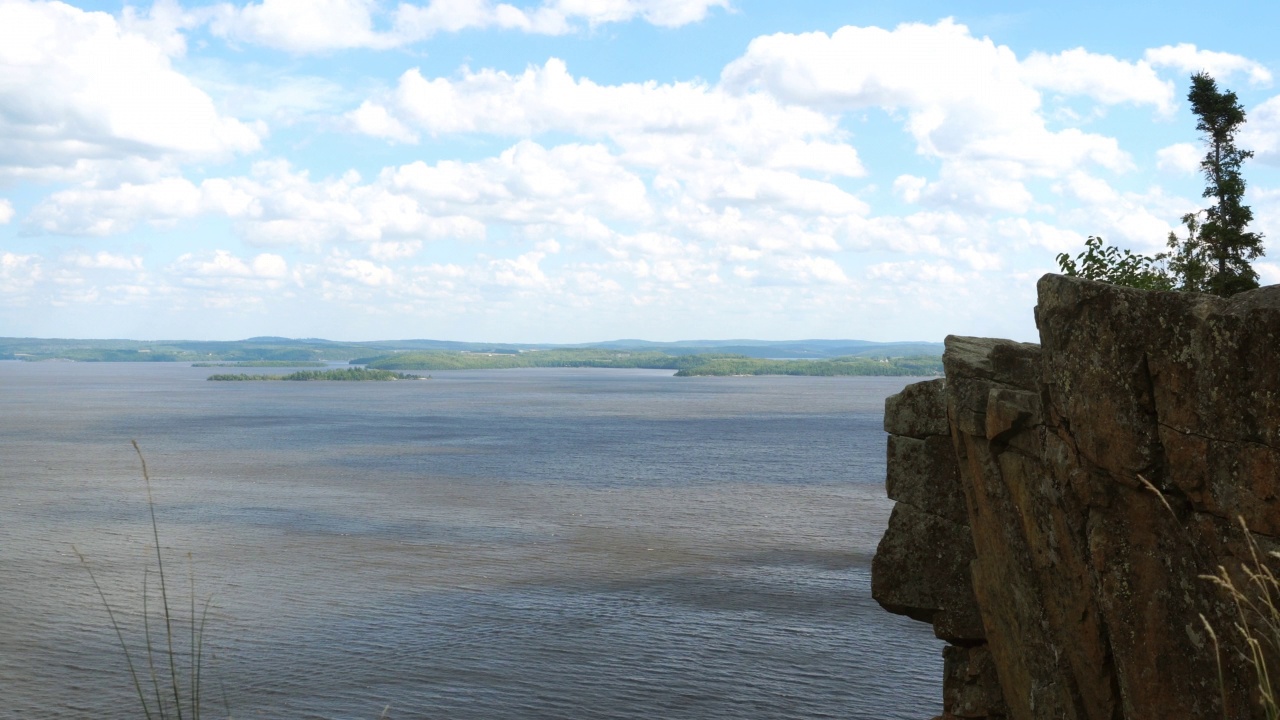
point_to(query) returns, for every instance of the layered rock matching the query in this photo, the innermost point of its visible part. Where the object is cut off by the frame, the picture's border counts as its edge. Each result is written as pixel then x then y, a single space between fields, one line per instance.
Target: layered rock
pixel 1058 504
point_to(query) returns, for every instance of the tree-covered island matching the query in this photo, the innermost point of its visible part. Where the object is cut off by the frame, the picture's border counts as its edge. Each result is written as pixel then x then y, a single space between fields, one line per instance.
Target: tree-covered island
pixel 262 363
pixel 338 375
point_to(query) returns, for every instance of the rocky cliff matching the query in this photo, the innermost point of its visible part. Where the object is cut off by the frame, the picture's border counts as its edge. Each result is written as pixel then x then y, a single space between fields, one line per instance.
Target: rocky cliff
pixel 1058 504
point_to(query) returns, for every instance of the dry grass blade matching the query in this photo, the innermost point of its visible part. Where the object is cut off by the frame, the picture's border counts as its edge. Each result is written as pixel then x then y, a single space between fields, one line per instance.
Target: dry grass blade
pixel 128 659
pixel 1156 491
pixel 160 686
pixel 1257 622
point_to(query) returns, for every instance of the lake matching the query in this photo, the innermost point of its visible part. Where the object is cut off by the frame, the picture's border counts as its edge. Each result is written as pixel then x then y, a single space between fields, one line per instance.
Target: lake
pixel 551 543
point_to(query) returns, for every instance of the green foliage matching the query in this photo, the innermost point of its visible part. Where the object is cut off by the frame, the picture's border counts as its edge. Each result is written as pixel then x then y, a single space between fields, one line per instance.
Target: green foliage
pixel 336 375
pixel 1188 260
pixel 1222 235
pixel 1112 265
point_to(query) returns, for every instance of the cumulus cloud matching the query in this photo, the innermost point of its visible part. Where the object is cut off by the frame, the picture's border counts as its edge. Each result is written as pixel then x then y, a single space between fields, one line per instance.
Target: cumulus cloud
pixel 224 269
pixel 1104 78
pixel 19 273
pixel 703 144
pixel 109 211
pixel 77 90
pixel 915 271
pixel 549 99
pixel 373 119
pixel 1141 221
pixel 364 272
pixel 6 211
pixel 163 24
pixel 103 260
pixel 1261 133
pixel 306 26
pixel 1179 158
pixel 1189 59
pixel 301 25
pixel 968 101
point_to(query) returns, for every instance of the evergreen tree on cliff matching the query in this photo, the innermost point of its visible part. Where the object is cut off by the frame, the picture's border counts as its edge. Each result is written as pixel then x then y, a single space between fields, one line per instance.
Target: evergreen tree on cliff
pixel 1215 255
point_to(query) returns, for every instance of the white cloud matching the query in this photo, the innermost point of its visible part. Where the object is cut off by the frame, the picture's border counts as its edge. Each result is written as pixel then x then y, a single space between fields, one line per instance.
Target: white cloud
pixel 1268 272
pixel 817 155
pixel 19 273
pixel 968 101
pixel 301 25
pixel 90 211
pixel 307 26
pixel 1050 237
pixel 549 99
pixel 162 24
pixel 223 271
pixel 103 260
pixel 808 270
pixel 909 187
pixel 918 272
pixel 1190 59
pixel 528 183
pixel 267 265
pixel 385 251
pixel 522 273
pixel 6 211
pixel 364 272
pixel 1261 133
pixel 664 13
pixel 1101 77
pixel 1179 158
pixel 79 90
pixel 1139 221
pixel 706 149
pixel 373 119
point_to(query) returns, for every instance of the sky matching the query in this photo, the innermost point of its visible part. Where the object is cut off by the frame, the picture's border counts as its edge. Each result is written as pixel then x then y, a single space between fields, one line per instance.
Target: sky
pixel 585 170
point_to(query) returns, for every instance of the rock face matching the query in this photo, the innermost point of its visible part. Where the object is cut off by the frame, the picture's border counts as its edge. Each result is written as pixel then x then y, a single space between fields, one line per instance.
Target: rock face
pixel 1058 504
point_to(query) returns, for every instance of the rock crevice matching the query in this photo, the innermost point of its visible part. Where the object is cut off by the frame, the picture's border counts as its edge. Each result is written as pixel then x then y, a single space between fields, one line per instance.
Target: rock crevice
pixel 1026 533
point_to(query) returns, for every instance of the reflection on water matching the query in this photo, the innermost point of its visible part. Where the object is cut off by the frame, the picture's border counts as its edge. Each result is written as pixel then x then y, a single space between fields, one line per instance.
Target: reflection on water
pixel 501 544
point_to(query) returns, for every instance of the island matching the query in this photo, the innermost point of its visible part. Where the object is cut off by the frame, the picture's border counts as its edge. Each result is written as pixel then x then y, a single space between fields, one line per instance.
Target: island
pixel 339 375
pixel 263 363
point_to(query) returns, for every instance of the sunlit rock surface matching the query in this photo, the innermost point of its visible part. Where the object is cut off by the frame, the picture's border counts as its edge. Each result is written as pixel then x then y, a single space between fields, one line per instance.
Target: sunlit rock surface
pixel 1057 504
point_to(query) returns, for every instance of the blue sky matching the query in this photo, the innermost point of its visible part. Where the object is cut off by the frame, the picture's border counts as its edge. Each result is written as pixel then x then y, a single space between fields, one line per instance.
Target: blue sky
pixel 577 170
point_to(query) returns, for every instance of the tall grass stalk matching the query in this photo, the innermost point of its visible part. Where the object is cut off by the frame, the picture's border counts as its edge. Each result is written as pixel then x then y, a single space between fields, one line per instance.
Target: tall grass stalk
pixel 1256 602
pixel 169 694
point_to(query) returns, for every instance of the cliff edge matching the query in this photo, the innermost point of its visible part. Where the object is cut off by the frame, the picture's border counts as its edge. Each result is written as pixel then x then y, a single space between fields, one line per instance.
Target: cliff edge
pixel 1058 504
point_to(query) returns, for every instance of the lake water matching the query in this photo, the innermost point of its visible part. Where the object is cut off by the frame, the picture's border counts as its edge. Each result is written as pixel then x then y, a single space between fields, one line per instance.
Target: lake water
pixel 489 545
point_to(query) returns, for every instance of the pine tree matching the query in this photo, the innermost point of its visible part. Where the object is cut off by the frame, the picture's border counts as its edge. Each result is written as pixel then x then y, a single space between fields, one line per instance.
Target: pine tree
pixel 1222 241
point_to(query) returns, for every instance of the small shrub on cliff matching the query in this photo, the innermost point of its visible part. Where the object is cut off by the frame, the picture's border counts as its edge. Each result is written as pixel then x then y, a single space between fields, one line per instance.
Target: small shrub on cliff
pixel 1110 264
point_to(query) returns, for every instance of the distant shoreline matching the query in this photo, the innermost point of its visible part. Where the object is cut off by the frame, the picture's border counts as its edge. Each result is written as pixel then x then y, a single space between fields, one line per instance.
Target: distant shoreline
pixel 686 359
